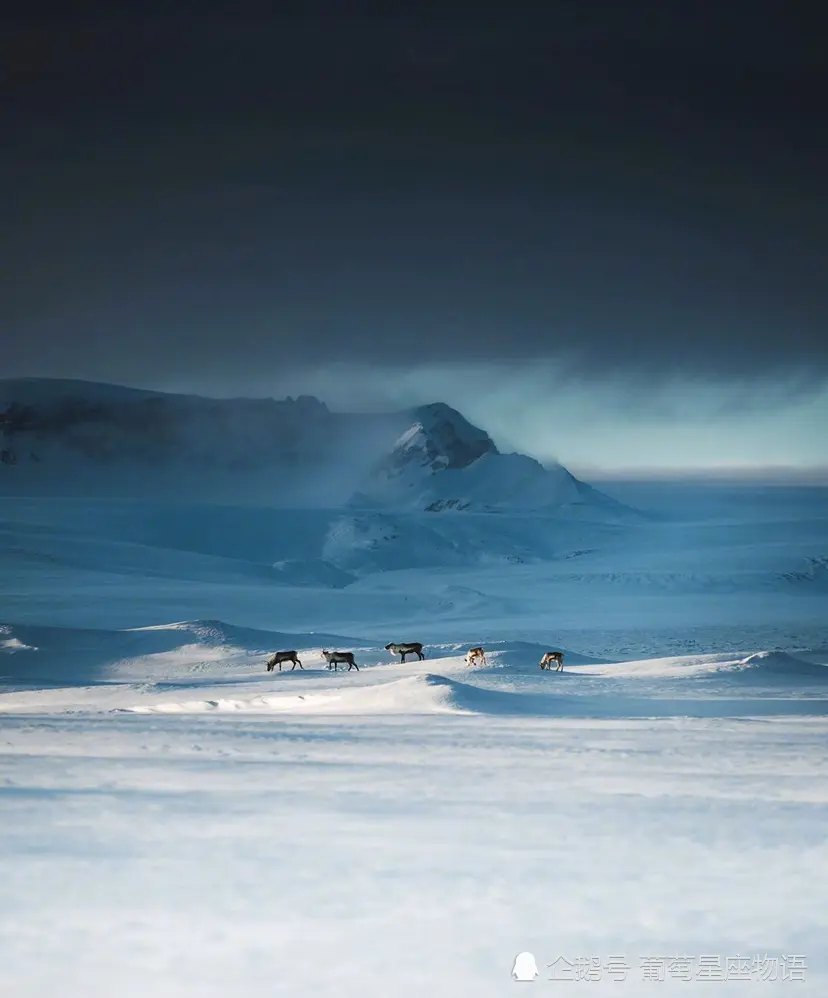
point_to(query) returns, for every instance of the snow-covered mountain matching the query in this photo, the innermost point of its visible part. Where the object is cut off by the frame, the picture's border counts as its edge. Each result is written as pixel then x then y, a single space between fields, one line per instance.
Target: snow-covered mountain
pixel 47 420
pixel 443 462
pixel 83 438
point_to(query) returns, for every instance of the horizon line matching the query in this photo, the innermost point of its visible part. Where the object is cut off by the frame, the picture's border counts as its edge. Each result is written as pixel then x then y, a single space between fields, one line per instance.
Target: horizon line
pixel 718 474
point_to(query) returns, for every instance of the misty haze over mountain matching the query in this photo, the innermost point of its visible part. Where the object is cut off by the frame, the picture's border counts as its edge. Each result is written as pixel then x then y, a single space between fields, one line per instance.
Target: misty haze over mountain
pixel 78 438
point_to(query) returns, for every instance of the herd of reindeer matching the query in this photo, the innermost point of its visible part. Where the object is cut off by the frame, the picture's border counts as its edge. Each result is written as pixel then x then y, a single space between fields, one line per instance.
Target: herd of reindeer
pixel 334 658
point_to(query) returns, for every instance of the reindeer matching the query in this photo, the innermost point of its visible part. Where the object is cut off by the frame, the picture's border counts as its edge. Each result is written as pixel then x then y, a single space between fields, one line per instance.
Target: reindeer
pixel 284 656
pixel 550 657
pixel 413 648
pixel 334 657
pixel 475 655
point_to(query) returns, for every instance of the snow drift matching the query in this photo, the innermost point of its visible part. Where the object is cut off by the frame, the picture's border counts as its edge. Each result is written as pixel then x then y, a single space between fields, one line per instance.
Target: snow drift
pixel 778 665
pixel 69 656
pixel 410 695
pixel 432 693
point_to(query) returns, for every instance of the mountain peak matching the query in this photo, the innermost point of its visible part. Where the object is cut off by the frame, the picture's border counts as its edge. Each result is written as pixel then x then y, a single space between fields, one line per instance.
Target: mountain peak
pixel 444 462
pixel 439 438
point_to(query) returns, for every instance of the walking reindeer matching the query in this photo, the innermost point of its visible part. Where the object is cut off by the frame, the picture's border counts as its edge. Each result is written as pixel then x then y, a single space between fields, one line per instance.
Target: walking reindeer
pixel 333 658
pixel 412 648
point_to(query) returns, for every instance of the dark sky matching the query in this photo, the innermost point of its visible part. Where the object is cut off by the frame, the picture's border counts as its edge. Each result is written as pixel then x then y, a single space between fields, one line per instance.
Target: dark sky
pixel 624 187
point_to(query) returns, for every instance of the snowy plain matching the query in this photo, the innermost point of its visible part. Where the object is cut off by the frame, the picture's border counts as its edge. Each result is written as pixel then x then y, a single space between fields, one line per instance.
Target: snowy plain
pixel 176 821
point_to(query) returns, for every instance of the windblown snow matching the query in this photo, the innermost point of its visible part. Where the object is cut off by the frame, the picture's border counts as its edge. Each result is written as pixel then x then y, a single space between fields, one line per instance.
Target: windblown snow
pixel 177 820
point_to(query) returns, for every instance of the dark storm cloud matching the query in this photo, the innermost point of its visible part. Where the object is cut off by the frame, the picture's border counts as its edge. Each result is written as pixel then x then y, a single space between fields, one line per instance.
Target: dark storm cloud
pixel 624 188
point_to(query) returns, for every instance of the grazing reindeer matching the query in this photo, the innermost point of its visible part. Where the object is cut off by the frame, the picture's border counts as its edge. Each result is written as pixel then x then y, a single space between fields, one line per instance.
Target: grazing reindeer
pixel 549 658
pixel 413 648
pixel 334 657
pixel 284 656
pixel 475 655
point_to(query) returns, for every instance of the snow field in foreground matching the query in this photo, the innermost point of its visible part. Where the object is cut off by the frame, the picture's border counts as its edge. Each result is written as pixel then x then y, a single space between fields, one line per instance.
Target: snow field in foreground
pixel 326 856
pixel 175 821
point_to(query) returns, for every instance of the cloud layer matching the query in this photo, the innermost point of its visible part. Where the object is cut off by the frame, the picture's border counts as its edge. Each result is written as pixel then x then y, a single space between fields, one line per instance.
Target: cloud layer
pixel 627 193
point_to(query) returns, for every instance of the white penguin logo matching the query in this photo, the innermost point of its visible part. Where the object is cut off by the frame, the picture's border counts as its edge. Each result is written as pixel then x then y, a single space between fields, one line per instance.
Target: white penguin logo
pixel 525 968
